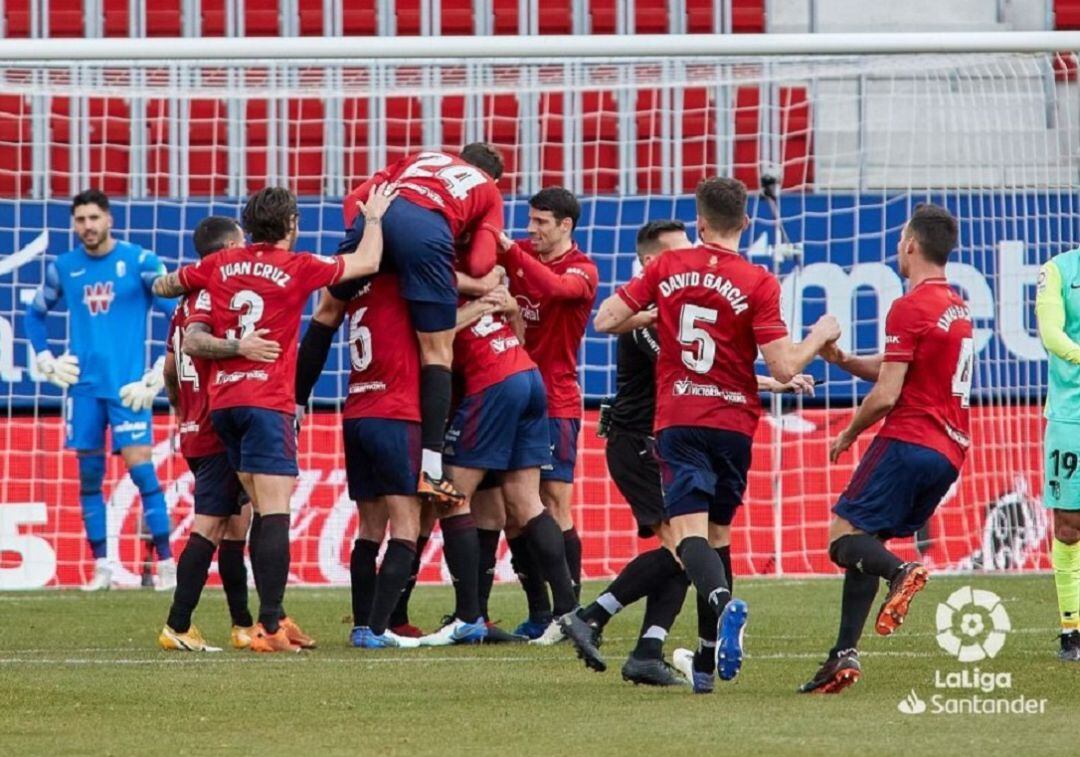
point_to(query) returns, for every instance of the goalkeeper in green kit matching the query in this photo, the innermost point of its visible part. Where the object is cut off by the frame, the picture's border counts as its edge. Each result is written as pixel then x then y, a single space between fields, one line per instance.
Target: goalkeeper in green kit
pixel 1057 307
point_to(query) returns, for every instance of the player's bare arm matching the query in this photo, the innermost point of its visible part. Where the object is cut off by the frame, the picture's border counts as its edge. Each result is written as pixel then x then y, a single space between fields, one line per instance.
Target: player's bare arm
pixel 643 320
pixel 471 312
pixel 172 380
pixel 613 313
pixel 169 285
pixel 786 359
pixel 366 258
pixel 200 343
pixel 507 304
pixel 330 311
pixel 803 383
pixel 470 286
pixel 878 403
pixel 865 367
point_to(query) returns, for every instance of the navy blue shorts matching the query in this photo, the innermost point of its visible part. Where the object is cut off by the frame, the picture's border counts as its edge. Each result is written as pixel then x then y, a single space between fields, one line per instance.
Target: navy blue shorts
pixel 703 470
pixel 896 488
pixel 563 436
pixel 217 489
pixel 382 457
pixel 257 440
pixel 418 246
pixel 504 427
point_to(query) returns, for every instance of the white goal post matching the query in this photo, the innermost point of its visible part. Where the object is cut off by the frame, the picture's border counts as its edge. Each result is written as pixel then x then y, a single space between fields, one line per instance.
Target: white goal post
pixel 855 129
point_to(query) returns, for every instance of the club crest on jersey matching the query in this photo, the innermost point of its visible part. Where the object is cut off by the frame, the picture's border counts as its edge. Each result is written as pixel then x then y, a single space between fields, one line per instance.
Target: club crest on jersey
pixel 98 297
pixel 121 269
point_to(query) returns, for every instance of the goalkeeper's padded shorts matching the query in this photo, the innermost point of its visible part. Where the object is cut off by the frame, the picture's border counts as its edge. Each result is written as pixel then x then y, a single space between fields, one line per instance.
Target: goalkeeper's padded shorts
pixel 1061 466
pixel 382 457
pixel 703 470
pixel 258 440
pixel 87 417
pixel 896 488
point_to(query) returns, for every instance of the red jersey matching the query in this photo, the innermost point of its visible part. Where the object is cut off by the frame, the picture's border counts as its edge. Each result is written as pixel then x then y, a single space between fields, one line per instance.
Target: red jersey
pixel 487 352
pixel 929 328
pixel 467 197
pixel 384 378
pixel 556 301
pixel 197 435
pixel 714 309
pixel 257 287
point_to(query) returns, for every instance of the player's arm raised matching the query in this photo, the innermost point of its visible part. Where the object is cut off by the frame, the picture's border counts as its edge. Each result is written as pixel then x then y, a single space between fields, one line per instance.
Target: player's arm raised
pixel 1050 315
pixel 874 407
pixel 366 258
pixel 577 283
pixel 201 343
pixel 785 359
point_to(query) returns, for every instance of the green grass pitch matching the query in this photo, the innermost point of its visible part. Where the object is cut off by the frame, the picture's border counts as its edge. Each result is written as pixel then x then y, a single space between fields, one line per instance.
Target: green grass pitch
pixel 82 674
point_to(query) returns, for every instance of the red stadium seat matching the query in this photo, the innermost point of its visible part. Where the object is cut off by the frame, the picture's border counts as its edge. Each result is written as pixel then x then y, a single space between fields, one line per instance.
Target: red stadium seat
pixel 261 19
pixel 17 18
pixel 213 18
pixel 408 17
pixel 15 145
pixel 699 16
pixel 501 129
pixel 748 16
pixel 305 139
pixel 116 21
pixel 1065 67
pixel 600 137
pixel 208 155
pixel 359 18
pixel 648 127
pixel 257 131
pixel 795 128
pixel 453 122
pixel 1067 14
pixel 698 143
pixel 551 139
pixel 110 137
pixel 65 18
pixel 404 127
pixel 507 16
pixel 457 17
pixel 556 17
pixel 602 16
pixel 357 160
pixel 747 112
pixel 651 17
pixel 163 18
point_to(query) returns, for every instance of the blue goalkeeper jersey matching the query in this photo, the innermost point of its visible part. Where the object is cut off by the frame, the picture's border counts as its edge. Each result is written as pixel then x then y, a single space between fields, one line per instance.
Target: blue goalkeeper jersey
pixel 108 299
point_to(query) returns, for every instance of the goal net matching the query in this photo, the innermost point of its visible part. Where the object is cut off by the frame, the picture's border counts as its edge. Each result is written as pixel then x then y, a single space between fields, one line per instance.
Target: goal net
pixel 852 143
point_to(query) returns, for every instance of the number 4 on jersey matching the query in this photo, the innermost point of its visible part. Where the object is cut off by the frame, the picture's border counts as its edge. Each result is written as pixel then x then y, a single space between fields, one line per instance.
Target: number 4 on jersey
pixel 961 383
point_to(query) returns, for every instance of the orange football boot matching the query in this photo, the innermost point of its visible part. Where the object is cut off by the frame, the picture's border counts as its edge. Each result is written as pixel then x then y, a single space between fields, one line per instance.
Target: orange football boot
pixel 261 641
pixel 908 582
pixel 296 635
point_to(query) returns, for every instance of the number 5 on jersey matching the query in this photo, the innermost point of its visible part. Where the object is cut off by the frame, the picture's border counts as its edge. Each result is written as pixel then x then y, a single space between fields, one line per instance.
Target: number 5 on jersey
pixel 700 358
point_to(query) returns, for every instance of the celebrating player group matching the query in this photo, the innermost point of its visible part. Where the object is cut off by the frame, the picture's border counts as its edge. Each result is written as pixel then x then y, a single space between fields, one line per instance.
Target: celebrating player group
pixel 463 408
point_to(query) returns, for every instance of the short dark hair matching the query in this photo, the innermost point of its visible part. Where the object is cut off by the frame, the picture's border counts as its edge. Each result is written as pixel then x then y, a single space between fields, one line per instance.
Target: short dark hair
pixel 268 214
pixel 648 234
pixel 558 201
pixel 484 156
pixel 935 229
pixel 213 233
pixel 722 203
pixel 88 197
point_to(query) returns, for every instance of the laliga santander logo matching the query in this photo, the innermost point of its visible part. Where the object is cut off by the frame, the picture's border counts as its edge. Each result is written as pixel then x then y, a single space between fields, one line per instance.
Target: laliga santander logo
pixel 972 624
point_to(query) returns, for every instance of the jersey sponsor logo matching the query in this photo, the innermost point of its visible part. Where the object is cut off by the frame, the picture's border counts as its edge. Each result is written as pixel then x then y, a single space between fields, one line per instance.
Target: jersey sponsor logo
pixel 121 269
pixel 231 378
pixel 202 302
pixel 253 268
pixel 503 344
pixel 367 386
pixel 718 284
pixel 189 427
pixel 892 339
pixel 530 311
pixel 98 297
pixel 687 388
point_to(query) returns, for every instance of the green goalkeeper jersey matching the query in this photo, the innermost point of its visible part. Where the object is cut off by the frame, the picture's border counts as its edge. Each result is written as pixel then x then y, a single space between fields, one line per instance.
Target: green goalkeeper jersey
pixel 1057 308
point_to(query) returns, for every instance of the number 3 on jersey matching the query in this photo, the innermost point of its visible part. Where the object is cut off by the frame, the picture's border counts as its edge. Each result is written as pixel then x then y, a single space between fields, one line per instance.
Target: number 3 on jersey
pixel 250 306
pixel 961 383
pixel 699 359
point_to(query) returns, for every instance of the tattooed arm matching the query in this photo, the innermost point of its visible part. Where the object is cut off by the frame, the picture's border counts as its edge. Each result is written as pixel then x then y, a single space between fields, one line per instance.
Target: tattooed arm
pixel 200 343
pixel 168 285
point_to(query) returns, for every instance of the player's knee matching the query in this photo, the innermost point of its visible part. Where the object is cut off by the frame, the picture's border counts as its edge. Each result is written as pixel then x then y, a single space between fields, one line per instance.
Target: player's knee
pixel 211 528
pixel 839 550
pixel 436 347
pixel 145 478
pixel 1066 533
pixel 91 473
pixel 136 455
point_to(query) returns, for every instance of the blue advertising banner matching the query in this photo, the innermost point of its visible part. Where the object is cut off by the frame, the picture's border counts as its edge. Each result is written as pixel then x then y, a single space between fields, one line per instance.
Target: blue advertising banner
pixel 838 256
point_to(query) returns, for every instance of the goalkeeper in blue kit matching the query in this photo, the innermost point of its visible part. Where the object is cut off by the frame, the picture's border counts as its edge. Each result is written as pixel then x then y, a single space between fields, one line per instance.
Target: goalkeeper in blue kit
pixel 106 284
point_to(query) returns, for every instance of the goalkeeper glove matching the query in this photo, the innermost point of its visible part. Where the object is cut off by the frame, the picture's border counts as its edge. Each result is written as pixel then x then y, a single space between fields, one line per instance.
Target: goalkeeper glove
pixel 62 371
pixel 139 395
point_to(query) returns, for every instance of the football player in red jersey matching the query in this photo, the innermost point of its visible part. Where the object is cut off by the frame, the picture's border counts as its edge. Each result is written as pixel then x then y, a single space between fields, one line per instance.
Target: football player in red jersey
pixel 264 286
pixel 221 514
pixel 714 311
pixel 555 284
pixel 445 200
pixel 922 387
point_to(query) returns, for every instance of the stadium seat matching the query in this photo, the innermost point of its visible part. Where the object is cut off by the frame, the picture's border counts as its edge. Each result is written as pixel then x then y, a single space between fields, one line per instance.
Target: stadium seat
pixel 1065 67
pixel 507 16
pixel 163 18
pixel 15 145
pixel 404 127
pixel 257 131
pixel 795 130
pixel 557 17
pixel 648 130
pixel 651 17
pixel 457 17
pixel 261 18
pixel 1067 14
pixel 603 16
pixel 116 21
pixel 312 22
pixel 698 143
pixel 65 18
pixel 305 139
pixel 699 16
pixel 748 16
pixel 407 13
pixel 208 158
pixel 359 18
pixel 551 139
pixel 109 147
pixel 453 122
pixel 17 18
pixel 213 18
pixel 501 129
pixel 746 156
pixel 600 142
